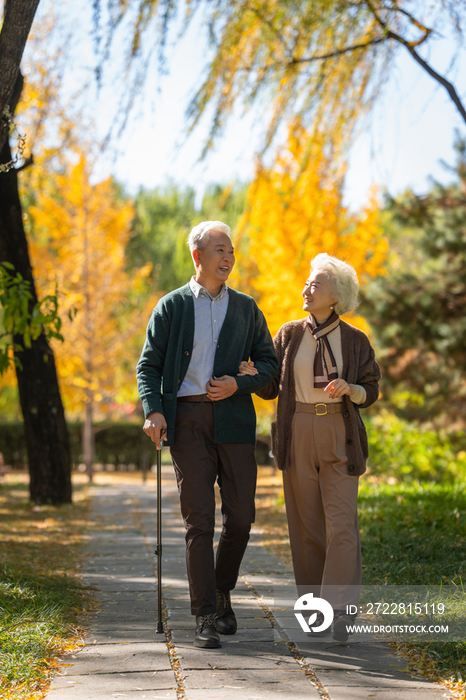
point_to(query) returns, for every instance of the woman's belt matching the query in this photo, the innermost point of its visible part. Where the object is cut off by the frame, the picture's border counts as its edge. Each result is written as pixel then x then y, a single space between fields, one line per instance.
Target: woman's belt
pixel 319 409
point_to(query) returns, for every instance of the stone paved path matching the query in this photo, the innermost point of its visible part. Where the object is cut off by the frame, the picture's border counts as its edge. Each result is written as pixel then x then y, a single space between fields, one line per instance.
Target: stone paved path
pixel 125 658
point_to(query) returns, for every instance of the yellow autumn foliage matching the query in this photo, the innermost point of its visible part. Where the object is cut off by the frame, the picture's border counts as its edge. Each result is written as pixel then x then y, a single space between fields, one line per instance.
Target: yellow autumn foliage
pixel 295 211
pixel 80 231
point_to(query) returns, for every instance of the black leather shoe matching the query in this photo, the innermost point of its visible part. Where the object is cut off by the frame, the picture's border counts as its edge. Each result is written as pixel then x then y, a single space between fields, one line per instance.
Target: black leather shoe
pixel 206 632
pixel 340 627
pixel 225 619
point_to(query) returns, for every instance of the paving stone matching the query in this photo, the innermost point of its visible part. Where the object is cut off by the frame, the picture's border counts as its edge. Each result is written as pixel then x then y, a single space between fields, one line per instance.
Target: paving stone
pixel 99 550
pixel 121 682
pixel 177 606
pixel 254 655
pixel 243 617
pixel 112 658
pixel 239 693
pixel 242 635
pixel 104 635
pixel 131 566
pixel 124 596
pixel 370 679
pixel 251 683
pixel 123 624
pixel 113 583
pixel 255 623
pixel 109 557
pixel 75 691
pixel 107 618
pixel 116 609
pixel 352 657
pixel 146 604
pixel 428 692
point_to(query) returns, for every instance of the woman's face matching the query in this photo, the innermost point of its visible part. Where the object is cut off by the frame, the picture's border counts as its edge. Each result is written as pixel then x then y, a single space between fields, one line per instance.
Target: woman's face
pixel 318 299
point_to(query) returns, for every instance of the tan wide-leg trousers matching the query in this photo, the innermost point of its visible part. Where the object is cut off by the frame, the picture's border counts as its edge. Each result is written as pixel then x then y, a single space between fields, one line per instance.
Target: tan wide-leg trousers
pixel 321 507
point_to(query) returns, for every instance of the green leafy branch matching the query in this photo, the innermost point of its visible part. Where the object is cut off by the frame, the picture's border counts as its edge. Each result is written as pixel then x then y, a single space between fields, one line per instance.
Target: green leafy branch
pixel 20 318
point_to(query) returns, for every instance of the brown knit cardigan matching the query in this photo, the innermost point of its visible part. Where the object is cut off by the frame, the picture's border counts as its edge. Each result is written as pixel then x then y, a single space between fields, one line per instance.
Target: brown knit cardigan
pixel 359 367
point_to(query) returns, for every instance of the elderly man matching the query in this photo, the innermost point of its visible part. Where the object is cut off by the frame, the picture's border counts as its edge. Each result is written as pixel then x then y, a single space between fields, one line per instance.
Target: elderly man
pixel 193 399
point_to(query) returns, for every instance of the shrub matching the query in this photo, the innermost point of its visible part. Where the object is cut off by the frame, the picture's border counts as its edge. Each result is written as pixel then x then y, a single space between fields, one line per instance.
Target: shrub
pixel 403 450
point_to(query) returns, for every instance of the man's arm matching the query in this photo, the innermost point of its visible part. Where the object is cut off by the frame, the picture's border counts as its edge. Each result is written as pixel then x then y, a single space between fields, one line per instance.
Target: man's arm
pixel 149 376
pixel 262 354
pixel 150 366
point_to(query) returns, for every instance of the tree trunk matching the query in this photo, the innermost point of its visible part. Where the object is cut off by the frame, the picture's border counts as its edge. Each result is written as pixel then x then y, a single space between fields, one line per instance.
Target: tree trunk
pixel 88 433
pixel 45 427
pixel 88 440
pixel 17 21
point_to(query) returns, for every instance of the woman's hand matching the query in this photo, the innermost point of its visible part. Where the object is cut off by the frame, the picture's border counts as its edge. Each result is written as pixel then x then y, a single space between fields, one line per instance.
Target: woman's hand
pixel 247 368
pixel 338 387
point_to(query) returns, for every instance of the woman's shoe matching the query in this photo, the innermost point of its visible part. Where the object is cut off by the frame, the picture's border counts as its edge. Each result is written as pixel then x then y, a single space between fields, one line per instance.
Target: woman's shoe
pixel 340 626
pixel 319 621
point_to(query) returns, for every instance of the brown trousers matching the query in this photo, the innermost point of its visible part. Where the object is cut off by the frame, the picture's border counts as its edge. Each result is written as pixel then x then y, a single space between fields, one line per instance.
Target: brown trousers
pixel 321 508
pixel 199 462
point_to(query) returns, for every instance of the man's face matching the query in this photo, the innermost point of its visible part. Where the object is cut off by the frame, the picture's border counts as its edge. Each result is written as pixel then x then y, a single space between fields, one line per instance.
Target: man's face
pixel 215 261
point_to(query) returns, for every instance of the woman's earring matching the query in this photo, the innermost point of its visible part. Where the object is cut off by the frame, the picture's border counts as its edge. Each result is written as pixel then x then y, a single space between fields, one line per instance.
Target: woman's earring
pixel 331 308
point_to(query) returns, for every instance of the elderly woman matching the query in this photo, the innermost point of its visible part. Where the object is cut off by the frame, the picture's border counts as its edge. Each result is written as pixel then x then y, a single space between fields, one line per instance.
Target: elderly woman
pixel 327 373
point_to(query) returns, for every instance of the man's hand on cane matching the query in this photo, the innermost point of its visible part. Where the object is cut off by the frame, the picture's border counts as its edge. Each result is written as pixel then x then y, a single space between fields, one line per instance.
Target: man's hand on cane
pixel 155 427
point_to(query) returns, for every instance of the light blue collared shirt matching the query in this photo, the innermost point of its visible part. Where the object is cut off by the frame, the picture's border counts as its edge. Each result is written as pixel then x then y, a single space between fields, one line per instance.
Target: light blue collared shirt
pixel 209 315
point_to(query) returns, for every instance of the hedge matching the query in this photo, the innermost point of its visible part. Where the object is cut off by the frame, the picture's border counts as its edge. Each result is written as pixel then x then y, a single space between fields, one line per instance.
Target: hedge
pixel 115 443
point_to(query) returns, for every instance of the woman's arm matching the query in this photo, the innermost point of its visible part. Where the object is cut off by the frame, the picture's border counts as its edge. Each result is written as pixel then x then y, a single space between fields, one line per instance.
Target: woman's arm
pixel 368 374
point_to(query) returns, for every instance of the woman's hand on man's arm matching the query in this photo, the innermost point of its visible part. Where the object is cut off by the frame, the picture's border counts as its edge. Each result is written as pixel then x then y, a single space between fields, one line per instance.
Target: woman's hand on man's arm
pixel 247 368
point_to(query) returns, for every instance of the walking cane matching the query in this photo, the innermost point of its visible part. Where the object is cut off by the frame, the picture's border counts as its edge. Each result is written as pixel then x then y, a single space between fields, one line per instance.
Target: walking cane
pixel 158 549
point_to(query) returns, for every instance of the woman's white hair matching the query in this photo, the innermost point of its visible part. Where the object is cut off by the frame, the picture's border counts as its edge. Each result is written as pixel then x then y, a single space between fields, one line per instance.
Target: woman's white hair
pixel 343 281
pixel 199 235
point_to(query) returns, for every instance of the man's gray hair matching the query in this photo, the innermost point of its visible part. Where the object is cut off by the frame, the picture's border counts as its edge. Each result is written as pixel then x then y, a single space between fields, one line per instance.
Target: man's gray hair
pixel 343 281
pixel 199 235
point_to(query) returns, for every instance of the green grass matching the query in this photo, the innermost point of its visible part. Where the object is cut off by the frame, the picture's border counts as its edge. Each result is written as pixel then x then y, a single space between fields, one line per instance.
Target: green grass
pixel 40 598
pixel 413 534
pixel 37 612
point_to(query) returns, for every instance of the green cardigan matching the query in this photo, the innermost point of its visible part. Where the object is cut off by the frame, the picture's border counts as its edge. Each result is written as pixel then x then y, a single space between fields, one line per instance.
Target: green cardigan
pixel 167 352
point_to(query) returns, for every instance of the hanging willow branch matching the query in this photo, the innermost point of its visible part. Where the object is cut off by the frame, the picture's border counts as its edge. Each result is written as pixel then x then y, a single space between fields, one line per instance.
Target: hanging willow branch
pixel 321 61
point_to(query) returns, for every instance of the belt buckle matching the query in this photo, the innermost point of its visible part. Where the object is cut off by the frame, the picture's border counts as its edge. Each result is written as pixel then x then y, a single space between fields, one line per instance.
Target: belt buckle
pixel 324 413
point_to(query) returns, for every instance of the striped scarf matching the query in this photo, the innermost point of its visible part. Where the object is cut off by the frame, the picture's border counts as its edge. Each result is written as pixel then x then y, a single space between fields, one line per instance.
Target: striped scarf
pixel 325 366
